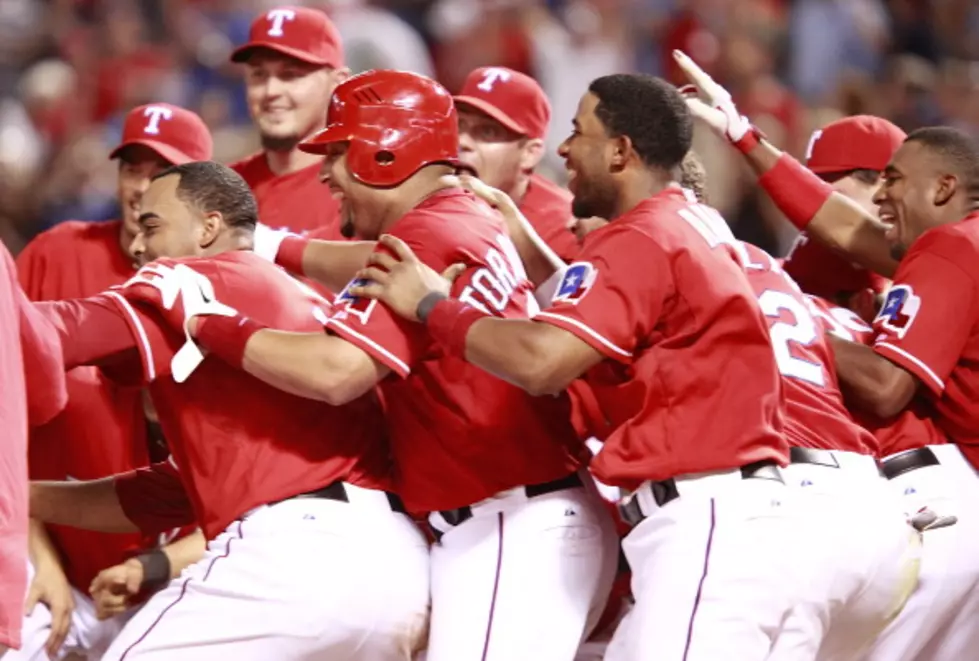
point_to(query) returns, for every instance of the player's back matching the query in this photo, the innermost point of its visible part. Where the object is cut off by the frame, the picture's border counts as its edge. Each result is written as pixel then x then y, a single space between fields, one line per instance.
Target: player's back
pixel 297 201
pixel 102 430
pixel 815 414
pixel 458 434
pixel 693 386
pixel 241 443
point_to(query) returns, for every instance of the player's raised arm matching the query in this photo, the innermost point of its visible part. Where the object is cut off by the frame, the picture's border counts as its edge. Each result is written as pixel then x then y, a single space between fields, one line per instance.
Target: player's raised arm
pixel 807 201
pixel 90 505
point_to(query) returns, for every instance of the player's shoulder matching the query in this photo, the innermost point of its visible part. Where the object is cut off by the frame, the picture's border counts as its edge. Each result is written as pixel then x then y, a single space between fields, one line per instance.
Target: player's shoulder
pixel 450 217
pixel 252 168
pixel 81 235
pixel 955 242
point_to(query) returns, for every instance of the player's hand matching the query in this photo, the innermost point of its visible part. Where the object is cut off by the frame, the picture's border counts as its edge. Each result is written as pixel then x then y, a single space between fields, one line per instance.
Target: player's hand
pixel 710 102
pixel 180 294
pixel 51 588
pixel 400 279
pixel 266 241
pixel 926 519
pixel 113 589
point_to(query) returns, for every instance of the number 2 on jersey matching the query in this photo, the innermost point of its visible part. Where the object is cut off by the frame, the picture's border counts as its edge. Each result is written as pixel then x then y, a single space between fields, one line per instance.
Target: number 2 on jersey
pixel 802 331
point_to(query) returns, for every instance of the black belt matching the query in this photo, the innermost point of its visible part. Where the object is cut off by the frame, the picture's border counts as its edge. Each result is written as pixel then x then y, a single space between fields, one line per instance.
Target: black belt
pixel 813 456
pixel 338 492
pixel 666 490
pixel 462 514
pixel 908 460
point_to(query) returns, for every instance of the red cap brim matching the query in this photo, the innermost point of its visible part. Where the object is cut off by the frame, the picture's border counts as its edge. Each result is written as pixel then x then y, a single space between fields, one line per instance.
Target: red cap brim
pixel 318 143
pixel 488 108
pixel 167 152
pixel 242 53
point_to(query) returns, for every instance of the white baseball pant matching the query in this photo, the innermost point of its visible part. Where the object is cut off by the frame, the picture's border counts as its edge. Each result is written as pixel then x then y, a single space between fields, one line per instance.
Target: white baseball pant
pixel 88 636
pixel 306 578
pixel 522 577
pixel 859 552
pixel 713 574
pixel 939 621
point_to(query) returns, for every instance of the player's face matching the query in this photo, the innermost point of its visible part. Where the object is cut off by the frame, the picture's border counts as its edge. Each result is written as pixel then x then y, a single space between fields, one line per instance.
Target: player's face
pixel 137 165
pixel 287 98
pixel 497 154
pixel 168 226
pixel 360 205
pixel 586 154
pixel 860 192
pixel 906 199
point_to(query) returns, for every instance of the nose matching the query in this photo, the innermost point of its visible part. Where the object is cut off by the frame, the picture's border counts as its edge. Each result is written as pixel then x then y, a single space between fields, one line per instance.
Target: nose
pixel 572 223
pixel 465 142
pixel 137 247
pixel 879 194
pixel 273 87
pixel 562 149
pixel 325 171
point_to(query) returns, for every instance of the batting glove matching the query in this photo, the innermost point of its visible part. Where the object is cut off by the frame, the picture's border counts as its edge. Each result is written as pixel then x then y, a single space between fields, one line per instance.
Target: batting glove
pixel 180 294
pixel 268 240
pixel 710 102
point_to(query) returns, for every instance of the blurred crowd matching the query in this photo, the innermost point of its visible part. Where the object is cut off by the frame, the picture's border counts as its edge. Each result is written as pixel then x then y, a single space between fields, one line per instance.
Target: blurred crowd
pixel 69 69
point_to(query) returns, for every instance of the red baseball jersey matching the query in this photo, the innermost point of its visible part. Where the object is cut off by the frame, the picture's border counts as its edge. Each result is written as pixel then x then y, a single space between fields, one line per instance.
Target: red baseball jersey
pixel 815 416
pixel 913 428
pixel 102 430
pixel 690 384
pixel 458 434
pixel 548 208
pixel 238 441
pixel 296 201
pixel 928 325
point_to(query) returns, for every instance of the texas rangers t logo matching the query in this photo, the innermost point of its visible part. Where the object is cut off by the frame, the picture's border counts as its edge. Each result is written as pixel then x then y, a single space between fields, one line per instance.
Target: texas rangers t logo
pixel 577 282
pixel 491 77
pixel 899 310
pixel 155 114
pixel 277 17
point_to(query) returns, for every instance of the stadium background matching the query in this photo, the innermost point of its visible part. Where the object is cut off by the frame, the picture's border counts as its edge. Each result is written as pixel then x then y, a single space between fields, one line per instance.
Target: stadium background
pixel 69 69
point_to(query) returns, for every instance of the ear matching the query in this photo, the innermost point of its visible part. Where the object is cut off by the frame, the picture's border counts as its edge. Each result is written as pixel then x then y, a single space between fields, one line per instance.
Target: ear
pixel 211 226
pixel 341 74
pixel 531 154
pixel 621 152
pixel 947 186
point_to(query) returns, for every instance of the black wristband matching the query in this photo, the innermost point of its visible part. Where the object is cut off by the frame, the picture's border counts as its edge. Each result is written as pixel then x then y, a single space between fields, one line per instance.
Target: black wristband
pixel 156 570
pixel 429 301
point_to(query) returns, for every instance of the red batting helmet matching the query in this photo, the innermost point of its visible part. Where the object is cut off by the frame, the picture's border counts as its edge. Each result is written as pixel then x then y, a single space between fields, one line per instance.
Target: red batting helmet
pixel 395 122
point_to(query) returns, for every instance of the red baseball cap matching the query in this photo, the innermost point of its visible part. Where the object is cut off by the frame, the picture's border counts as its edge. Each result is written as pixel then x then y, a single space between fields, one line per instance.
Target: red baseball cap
pixel 860 142
pixel 821 272
pixel 176 134
pixel 300 32
pixel 512 98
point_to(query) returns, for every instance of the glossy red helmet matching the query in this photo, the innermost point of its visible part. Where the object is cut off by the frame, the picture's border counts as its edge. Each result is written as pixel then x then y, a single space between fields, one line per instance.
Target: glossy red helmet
pixel 395 122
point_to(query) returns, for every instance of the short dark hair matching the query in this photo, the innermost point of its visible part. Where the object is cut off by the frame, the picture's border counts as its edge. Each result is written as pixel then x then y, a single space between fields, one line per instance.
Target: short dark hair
pixel 210 187
pixel 863 175
pixel 958 150
pixel 647 110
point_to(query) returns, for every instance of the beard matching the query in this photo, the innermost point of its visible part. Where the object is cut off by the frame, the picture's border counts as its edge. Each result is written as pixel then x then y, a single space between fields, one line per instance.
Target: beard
pixel 347 229
pixel 593 201
pixel 898 251
pixel 279 143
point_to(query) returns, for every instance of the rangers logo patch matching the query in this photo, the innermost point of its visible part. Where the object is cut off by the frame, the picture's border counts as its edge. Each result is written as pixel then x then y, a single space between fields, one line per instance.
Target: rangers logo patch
pixel 577 282
pixel 899 310
pixel 346 304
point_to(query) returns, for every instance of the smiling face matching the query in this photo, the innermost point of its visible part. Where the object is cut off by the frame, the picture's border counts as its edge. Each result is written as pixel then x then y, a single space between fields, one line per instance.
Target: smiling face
pixel 168 226
pixel 137 165
pixel 910 196
pixel 361 206
pixel 287 98
pixel 586 153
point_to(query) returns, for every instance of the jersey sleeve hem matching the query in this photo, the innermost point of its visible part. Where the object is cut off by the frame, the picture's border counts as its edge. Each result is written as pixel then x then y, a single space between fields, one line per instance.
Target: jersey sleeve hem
pixel 587 334
pixel 912 364
pixel 372 348
pixel 139 333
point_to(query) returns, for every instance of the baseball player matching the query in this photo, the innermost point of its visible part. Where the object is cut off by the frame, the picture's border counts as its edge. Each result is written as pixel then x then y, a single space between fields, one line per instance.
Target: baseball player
pixel 907 368
pixel 660 317
pixel 503 120
pixel 289 492
pixel 102 430
pixel 520 528
pixel 293 60
pixel 32 380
